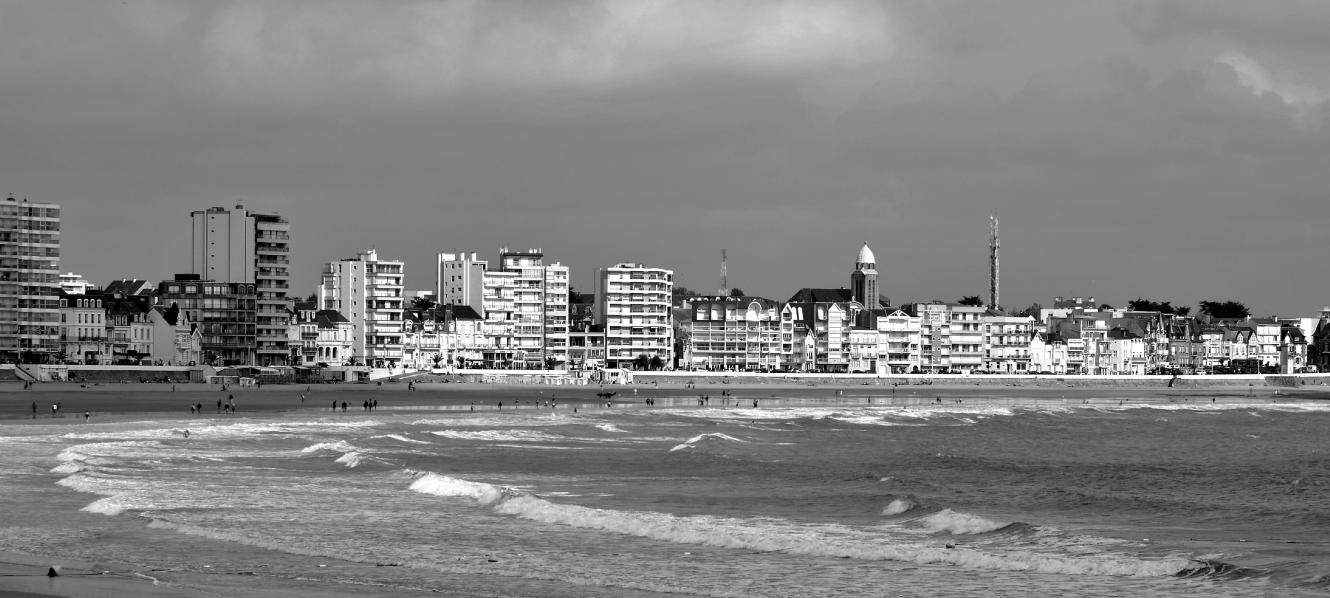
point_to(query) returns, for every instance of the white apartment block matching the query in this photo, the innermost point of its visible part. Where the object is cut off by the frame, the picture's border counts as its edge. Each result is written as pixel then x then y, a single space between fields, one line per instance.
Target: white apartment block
pixel 367 291
pixel 633 304
pixel 734 333
pixel 539 306
pixel 1007 343
pixel 898 342
pixel 250 247
pixel 461 279
pixel 73 284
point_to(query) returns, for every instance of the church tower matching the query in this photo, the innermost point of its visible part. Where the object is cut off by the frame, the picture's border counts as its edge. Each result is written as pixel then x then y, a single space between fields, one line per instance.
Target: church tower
pixel 863 283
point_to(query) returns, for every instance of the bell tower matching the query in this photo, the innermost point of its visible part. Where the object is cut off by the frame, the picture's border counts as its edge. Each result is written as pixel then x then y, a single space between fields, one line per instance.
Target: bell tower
pixel 863 283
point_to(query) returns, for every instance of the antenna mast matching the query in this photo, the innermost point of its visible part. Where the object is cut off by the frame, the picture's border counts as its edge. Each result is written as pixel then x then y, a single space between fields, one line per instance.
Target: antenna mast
pixel 993 248
pixel 724 278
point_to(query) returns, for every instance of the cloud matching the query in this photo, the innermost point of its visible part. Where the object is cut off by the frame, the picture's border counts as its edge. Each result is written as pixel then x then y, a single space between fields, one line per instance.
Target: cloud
pixel 1303 98
pixel 304 51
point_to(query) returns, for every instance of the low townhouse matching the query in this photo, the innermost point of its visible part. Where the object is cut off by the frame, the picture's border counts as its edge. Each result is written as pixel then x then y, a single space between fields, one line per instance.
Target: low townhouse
pixel 1049 353
pixel 83 338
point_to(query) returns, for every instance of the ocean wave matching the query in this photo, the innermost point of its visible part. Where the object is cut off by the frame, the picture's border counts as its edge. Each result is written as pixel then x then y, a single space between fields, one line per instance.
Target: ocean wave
pixel 611 428
pixel 400 438
pixel 499 435
pixel 775 535
pixel 898 506
pixel 67 468
pixel 340 446
pixel 955 523
pixel 692 442
pixel 442 485
pixel 350 459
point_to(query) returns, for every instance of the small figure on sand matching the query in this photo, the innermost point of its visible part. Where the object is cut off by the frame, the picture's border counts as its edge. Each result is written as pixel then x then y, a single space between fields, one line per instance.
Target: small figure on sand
pixel 343 406
pixel 86 414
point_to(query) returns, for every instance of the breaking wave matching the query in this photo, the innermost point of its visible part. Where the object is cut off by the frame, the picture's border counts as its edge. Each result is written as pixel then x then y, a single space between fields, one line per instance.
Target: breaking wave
pixel 777 535
pixel 955 523
pixel 898 506
pixel 350 459
pixel 340 446
pixel 692 442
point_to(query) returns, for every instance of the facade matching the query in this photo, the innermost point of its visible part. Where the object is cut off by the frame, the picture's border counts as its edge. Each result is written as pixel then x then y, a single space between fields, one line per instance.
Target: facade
pixel 586 346
pixel 83 337
pixel 633 305
pixel 816 323
pixel 29 281
pixel 225 312
pixel 367 291
pixel 239 246
pixel 951 337
pixel 129 329
pixel 1007 343
pixel 1048 353
pixel 539 307
pixel 463 280
pixel 898 338
pixel 734 334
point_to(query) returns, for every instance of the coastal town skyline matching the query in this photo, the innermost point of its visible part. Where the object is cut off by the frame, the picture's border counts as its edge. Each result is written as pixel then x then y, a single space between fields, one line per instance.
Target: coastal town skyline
pixel 1171 152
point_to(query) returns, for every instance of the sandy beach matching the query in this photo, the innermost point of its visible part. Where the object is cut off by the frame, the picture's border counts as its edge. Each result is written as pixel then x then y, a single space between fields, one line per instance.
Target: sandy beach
pixel 247 571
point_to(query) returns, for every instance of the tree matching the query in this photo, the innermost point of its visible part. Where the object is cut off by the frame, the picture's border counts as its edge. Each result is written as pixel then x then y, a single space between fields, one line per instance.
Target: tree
pixel 1183 311
pixel 657 363
pixel 1032 311
pixel 641 362
pixel 423 303
pixel 312 298
pixel 436 359
pixel 1106 307
pixel 1226 310
pixel 971 300
pixel 684 292
pixel 736 292
pixel 1139 304
pixel 574 296
pixel 550 363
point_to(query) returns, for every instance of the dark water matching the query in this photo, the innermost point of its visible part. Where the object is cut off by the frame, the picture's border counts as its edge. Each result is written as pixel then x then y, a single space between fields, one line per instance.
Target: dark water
pixel 1169 500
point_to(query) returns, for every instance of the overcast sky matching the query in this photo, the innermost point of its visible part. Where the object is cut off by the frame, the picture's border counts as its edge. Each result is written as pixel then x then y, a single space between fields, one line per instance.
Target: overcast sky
pixel 1174 151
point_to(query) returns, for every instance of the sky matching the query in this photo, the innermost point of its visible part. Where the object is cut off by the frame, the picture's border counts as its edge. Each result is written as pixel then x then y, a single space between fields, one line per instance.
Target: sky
pixel 1175 151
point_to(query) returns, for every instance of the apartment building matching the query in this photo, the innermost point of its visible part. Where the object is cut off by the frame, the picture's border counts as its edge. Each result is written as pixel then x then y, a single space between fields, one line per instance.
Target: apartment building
pixel 463 280
pixel 1007 343
pixel 899 341
pixel 633 305
pixel 815 330
pixel 367 291
pixel 734 333
pixel 239 246
pixel 83 337
pixel 225 311
pixel 29 281
pixel 73 284
pixel 539 307
pixel 176 340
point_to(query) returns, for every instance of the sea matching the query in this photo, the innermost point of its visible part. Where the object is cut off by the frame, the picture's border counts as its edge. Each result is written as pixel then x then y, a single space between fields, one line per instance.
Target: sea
pixel 789 498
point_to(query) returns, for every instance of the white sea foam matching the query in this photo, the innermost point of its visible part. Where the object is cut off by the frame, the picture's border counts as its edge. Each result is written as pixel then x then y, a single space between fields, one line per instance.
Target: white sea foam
pixel 692 442
pixel 340 446
pixel 67 468
pixel 499 435
pixel 898 506
pixel 400 438
pixel 111 505
pixel 955 523
pixel 442 485
pixel 350 459
pixel 611 428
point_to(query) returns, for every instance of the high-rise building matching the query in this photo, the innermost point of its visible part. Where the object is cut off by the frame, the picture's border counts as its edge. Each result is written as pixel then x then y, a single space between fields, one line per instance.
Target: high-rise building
pixel 367 291
pixel 633 304
pixel 29 280
pixel 540 306
pixel 239 246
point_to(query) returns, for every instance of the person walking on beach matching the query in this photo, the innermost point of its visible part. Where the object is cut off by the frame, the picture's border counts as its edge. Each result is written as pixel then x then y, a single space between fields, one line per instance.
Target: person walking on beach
pixel 219 405
pixel 86 414
pixel 343 406
pixel 375 404
pixel 34 410
pixel 500 405
pixel 302 399
pixel 334 405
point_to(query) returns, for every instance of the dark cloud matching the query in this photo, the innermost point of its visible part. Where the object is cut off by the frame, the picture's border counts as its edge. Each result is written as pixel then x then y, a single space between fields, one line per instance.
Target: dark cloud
pixel 785 133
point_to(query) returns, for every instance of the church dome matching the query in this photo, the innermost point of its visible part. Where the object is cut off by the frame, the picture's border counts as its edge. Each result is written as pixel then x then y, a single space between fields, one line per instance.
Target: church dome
pixel 866 256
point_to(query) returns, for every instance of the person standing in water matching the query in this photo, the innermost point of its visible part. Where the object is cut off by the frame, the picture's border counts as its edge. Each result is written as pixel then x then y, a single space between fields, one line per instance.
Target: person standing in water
pixel 86 414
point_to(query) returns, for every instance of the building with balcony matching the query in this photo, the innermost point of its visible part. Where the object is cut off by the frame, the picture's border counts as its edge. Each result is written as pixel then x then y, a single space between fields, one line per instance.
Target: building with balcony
pixel 898 341
pixel 1007 343
pixel 733 334
pixel 367 291
pixel 239 246
pixel 539 307
pixel 83 337
pixel 29 281
pixel 463 280
pixel 815 330
pixel 176 340
pixel 224 311
pixel 633 305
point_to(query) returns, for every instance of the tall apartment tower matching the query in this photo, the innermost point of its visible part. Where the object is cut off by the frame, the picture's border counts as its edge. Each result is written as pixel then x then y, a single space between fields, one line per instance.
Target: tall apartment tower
pixel 239 246
pixel 863 283
pixel 29 280
pixel 367 291
pixel 524 302
pixel 633 304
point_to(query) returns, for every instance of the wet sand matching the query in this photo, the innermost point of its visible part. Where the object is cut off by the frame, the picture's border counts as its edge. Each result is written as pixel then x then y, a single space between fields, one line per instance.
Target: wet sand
pixel 125 401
